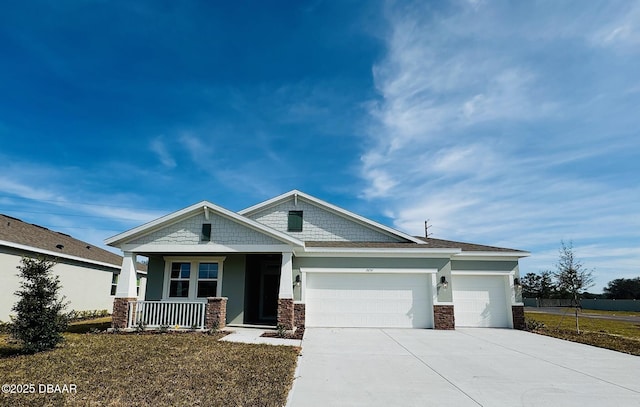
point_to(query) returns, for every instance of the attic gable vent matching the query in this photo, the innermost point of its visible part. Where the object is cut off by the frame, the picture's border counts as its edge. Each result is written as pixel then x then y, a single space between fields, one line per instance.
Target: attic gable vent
pixel 206 232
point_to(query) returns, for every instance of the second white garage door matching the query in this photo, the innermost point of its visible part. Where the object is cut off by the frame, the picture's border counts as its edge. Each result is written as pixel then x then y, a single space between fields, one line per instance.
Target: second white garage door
pixel 383 300
pixel 480 301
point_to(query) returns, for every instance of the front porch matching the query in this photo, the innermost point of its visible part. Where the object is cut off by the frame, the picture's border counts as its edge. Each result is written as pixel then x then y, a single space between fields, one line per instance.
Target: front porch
pixel 203 292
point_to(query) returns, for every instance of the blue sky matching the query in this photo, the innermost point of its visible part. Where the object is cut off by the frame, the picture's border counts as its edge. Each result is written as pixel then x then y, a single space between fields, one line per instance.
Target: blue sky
pixel 504 123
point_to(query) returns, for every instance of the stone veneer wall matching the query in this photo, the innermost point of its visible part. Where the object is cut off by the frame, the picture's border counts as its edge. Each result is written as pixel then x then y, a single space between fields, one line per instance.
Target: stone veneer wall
pixel 215 313
pixel 518 317
pixel 120 314
pixel 285 312
pixel 298 314
pixel 443 317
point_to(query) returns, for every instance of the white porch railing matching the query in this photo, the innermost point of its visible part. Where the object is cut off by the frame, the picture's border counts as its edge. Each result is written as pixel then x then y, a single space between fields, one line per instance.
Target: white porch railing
pixel 156 314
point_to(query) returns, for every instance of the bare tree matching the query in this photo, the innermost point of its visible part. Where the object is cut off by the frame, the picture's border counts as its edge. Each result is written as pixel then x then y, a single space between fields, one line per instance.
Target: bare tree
pixel 572 276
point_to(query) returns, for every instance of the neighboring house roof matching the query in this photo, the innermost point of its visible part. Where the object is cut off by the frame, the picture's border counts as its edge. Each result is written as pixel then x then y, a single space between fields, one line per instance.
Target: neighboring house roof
pixel 295 194
pixel 26 236
pixel 190 211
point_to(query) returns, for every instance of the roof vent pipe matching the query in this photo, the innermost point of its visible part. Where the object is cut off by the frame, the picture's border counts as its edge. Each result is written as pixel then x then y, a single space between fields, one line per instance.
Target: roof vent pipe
pixel 60 246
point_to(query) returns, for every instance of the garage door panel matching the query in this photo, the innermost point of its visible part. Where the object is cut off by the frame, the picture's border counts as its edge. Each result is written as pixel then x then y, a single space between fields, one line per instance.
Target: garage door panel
pixel 480 301
pixel 368 300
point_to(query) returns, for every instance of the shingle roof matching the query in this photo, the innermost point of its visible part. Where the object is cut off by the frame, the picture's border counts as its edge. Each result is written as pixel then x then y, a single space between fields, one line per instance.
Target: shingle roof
pixel 429 243
pixel 16 231
pixel 465 247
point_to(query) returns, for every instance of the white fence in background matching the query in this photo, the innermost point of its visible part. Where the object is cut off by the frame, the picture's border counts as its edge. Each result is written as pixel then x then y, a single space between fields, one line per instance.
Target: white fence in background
pixel 157 314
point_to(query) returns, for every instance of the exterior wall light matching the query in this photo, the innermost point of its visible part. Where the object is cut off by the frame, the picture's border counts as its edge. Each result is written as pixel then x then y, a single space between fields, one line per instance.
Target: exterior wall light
pixel 516 282
pixel 298 281
pixel 443 282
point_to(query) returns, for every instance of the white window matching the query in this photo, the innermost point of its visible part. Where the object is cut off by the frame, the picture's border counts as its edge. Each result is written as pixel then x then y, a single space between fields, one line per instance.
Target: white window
pixel 179 279
pixel 189 278
pixel 114 283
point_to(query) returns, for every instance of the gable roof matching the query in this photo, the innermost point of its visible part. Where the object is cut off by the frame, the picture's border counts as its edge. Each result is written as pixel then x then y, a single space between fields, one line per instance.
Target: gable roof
pixel 192 210
pixel 467 247
pixel 429 243
pixel 26 236
pixel 295 194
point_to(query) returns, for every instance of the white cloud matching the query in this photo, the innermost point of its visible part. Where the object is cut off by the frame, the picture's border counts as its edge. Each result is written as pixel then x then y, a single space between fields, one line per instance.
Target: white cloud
pixel 476 130
pixel 158 146
pixel 623 29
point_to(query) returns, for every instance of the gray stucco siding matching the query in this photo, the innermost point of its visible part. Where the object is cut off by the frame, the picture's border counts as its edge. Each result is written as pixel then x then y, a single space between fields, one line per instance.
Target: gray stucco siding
pixel 368 262
pixel 481 265
pixel 223 231
pixel 233 277
pixel 319 224
pixel 155 279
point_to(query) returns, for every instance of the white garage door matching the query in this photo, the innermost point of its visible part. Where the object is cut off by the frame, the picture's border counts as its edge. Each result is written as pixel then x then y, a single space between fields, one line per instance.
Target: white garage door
pixel 480 301
pixel 368 300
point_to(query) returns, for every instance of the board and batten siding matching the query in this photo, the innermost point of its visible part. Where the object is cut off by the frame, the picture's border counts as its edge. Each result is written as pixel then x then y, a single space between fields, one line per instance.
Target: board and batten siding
pixel 319 224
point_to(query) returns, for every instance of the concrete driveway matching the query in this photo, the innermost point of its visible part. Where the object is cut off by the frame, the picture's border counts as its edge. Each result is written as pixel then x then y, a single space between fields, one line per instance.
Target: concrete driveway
pixel 465 367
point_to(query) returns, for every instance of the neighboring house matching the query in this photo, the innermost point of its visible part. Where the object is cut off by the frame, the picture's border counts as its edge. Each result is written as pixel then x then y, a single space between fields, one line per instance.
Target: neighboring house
pixel 88 274
pixel 296 260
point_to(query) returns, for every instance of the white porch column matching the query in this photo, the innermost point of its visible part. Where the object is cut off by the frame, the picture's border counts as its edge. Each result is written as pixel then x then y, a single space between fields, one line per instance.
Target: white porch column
pixel 126 287
pixel 286 276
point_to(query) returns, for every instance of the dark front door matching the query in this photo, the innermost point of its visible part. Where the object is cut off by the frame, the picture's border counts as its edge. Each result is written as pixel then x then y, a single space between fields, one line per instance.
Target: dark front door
pixel 262 283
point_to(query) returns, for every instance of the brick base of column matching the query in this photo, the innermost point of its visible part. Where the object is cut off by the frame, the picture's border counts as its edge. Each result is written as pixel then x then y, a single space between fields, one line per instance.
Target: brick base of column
pixel 443 317
pixel 120 315
pixel 215 313
pixel 285 313
pixel 518 317
pixel 298 314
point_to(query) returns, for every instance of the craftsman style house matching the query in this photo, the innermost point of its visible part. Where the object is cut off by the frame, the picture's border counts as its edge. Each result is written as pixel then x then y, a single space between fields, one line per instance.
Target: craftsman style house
pixel 296 260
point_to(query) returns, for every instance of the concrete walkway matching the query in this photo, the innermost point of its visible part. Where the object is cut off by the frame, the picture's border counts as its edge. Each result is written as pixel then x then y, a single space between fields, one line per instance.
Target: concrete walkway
pixel 465 367
pixel 253 335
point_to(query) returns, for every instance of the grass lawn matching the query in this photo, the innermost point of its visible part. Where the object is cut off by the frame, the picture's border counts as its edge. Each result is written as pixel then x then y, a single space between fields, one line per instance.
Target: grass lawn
pixel 186 369
pixel 603 312
pixel 616 335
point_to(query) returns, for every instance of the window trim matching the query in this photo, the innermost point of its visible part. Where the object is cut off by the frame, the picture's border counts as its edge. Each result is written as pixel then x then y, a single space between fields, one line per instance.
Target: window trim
pixel 193 276
pixel 180 278
pixel 114 283
pixel 198 279
pixel 289 217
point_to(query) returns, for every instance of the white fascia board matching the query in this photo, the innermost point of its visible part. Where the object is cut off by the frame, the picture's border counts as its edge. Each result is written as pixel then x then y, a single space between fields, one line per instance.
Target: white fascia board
pixel 331 207
pixel 490 256
pixel 373 252
pixel 481 273
pixel 205 248
pixel 370 270
pixel 57 254
pixel 191 210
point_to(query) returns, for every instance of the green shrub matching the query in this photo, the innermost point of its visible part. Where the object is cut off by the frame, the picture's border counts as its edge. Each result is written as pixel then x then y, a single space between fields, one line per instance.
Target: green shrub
pixel 39 320
pixel 5 327
pixel 281 331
